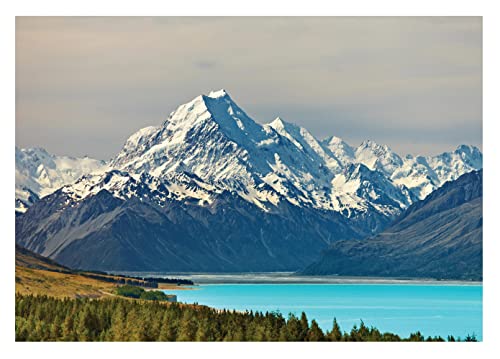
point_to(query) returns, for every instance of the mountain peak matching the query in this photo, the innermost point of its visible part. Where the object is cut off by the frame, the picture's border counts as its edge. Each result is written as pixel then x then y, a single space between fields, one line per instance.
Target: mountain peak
pixel 279 124
pixel 334 140
pixel 469 149
pixel 218 94
pixel 371 144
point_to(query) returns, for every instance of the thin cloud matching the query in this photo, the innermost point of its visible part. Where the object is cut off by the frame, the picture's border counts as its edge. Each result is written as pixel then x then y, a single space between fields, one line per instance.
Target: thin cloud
pixel 205 65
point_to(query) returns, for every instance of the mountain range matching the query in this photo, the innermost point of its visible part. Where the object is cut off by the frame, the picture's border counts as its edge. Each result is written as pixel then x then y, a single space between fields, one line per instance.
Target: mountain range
pixel 210 189
pixel 439 237
pixel 39 173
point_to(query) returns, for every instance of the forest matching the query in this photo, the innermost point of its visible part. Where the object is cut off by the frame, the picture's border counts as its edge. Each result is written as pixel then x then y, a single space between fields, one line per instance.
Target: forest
pixel 44 318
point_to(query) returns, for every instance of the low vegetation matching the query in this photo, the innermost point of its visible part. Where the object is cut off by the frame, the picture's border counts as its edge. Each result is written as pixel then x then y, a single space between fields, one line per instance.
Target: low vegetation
pixel 43 318
pixel 139 293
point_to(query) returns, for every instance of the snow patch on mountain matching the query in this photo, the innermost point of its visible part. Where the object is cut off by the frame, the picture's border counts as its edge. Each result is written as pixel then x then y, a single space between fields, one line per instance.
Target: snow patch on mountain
pixel 378 157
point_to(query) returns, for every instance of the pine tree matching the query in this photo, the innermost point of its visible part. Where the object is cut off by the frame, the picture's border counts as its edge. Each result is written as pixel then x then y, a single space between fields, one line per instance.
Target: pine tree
pixel 304 326
pixel 416 337
pixel 118 325
pixel 363 332
pixel 82 328
pixel 283 335
pixel 204 332
pixel 21 329
pixel 188 327
pixel 336 334
pixel 55 331
pixel 136 326
pixel 294 328
pixel 315 333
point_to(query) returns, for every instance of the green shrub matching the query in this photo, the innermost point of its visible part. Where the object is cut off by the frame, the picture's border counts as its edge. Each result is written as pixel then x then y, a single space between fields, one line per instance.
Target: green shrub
pixel 130 291
pixel 153 295
pixel 139 293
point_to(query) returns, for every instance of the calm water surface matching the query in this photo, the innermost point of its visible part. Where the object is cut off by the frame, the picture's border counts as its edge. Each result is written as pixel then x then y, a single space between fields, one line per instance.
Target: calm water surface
pixel 434 309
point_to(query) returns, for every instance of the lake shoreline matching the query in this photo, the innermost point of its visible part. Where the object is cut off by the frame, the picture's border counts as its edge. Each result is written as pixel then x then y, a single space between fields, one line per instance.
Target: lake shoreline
pixel 292 278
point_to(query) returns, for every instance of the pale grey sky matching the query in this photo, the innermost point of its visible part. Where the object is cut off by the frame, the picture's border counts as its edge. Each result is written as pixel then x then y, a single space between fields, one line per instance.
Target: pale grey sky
pixel 83 85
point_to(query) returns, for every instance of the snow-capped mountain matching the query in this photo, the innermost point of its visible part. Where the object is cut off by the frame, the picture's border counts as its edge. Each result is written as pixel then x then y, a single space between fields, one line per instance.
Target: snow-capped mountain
pixel 211 189
pixel 340 149
pixel 421 175
pixel 212 138
pixel 39 173
pixel 360 189
pixel 211 145
pixel 378 157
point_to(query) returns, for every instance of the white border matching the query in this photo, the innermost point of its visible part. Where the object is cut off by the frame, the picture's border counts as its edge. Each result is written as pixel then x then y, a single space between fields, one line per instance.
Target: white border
pixel 256 7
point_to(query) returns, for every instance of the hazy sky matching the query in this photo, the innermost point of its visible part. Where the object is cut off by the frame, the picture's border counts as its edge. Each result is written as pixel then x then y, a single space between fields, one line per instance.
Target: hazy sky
pixel 83 85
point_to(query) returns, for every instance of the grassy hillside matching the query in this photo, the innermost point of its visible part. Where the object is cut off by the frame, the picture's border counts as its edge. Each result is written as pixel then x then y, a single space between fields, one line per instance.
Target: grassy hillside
pixel 60 285
pixel 41 276
pixel 28 259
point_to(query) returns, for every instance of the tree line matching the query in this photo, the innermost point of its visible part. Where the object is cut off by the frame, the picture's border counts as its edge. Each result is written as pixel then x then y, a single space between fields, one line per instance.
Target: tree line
pixel 149 282
pixel 120 280
pixel 177 281
pixel 43 318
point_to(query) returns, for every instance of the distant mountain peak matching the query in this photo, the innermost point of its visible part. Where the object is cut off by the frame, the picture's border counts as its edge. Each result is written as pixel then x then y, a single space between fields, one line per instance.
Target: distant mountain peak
pixel 218 94
pixel 468 150
pixel 374 145
pixel 279 124
pixel 333 140
pixel 379 157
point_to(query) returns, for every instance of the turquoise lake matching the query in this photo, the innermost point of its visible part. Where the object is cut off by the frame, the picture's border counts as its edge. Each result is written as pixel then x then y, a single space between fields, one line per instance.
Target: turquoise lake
pixel 433 309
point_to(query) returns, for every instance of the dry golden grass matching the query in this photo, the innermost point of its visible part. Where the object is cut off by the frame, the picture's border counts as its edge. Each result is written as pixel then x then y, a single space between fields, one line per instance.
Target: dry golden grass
pixel 61 285
pixel 55 284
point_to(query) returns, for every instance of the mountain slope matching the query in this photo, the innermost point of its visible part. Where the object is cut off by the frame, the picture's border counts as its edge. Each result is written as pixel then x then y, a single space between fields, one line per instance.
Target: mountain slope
pixel 28 259
pixel 145 230
pixel 439 237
